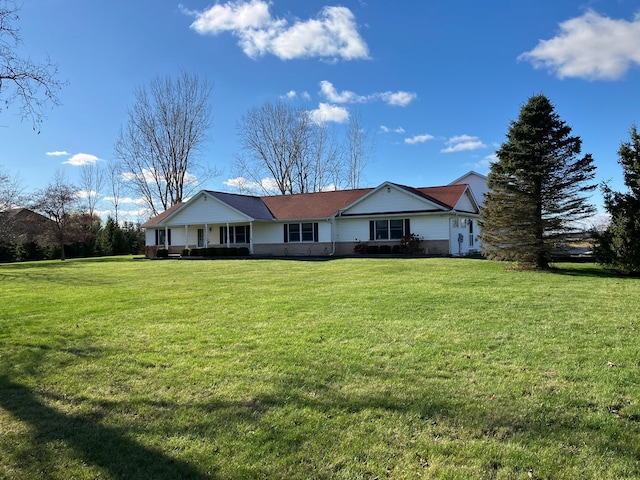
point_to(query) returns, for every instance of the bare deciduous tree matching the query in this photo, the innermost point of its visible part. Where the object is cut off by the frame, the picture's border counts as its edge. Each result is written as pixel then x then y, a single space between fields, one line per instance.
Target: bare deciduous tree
pixel 58 201
pixel 283 147
pixel 34 85
pixel 10 191
pixel 360 148
pixel 91 181
pixel 114 173
pixel 158 148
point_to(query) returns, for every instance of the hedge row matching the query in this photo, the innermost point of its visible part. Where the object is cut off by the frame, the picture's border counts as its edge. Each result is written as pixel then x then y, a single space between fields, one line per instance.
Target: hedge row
pixel 216 252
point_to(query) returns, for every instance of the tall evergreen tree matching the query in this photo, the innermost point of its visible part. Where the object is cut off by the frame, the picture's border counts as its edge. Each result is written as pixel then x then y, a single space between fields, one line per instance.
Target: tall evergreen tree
pixel 538 187
pixel 618 246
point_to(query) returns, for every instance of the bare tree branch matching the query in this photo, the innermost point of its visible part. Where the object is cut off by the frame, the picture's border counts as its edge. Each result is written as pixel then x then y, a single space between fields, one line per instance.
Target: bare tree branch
pixel 167 129
pixel 34 85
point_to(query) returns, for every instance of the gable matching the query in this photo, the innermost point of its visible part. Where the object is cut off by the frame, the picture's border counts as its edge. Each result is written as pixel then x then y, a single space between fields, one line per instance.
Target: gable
pixel 466 203
pixel 390 198
pixel 204 208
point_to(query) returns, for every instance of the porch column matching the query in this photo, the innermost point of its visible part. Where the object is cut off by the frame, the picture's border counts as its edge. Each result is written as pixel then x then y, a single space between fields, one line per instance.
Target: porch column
pixel 186 236
pixel 166 238
pixel 206 235
pixel 228 236
pixel 251 238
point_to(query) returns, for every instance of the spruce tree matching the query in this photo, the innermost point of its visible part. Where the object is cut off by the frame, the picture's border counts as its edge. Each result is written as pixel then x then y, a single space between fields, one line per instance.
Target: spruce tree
pixel 618 247
pixel 538 187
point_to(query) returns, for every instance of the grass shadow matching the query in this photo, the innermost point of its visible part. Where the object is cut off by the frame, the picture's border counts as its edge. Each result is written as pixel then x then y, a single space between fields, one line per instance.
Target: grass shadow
pixel 106 447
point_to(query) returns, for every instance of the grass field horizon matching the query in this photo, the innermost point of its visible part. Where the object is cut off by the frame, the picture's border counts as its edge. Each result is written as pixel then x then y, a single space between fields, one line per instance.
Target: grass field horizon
pixel 346 368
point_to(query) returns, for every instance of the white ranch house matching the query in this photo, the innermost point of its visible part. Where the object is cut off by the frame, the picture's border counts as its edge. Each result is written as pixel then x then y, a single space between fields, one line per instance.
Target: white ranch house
pixel 325 223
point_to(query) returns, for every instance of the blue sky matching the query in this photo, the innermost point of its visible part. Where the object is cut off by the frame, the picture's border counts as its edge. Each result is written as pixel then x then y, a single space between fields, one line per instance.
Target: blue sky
pixel 436 81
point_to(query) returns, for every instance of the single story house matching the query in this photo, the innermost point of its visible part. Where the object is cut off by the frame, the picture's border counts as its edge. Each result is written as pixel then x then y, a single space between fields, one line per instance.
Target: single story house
pixel 328 223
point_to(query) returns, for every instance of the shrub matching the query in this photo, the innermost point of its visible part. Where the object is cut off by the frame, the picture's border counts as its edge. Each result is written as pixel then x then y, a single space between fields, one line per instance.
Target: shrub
pixel 360 247
pixel 222 251
pixel 210 252
pixel 384 249
pixel 410 244
pixel 162 253
pixel 185 252
pixel 372 249
pixel 232 251
pixel 395 249
pixel 243 251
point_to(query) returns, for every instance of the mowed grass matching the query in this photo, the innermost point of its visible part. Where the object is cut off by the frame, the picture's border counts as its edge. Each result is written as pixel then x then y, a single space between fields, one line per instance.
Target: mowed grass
pixel 346 369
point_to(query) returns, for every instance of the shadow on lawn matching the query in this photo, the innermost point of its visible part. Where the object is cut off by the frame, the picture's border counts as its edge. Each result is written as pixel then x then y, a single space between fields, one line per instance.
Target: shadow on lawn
pixel 592 271
pixel 103 446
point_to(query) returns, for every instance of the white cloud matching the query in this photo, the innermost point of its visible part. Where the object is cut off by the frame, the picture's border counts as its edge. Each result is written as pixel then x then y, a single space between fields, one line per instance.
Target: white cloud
pixel 245 185
pixel 127 200
pixel 485 163
pixel 81 159
pixel 418 139
pixel 462 143
pixel 292 95
pixel 399 98
pixel 329 113
pixel 591 46
pixel 385 129
pixel 346 96
pixel 57 153
pixel 332 34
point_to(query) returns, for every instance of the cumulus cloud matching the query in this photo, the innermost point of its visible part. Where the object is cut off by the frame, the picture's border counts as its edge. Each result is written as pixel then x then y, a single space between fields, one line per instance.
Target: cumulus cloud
pixel 57 153
pixel 462 143
pixel 385 129
pixel 418 139
pixel 485 163
pixel 332 34
pixel 591 46
pixel 81 159
pixel 245 185
pixel 292 94
pixel 329 113
pixel 399 98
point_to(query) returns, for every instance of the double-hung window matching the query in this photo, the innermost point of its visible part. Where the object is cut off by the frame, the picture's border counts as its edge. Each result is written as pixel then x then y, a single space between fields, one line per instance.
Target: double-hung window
pixel 389 229
pixel 301 232
pixel 236 234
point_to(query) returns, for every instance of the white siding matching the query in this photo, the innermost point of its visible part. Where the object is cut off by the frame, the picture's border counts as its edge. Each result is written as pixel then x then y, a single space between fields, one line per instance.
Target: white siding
pixel 391 199
pixel 274 232
pixel 465 204
pixel 202 211
pixel 432 227
pixel 478 185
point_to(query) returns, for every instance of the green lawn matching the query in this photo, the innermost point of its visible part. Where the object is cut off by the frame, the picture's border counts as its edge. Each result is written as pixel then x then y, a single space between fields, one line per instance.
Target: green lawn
pixel 346 369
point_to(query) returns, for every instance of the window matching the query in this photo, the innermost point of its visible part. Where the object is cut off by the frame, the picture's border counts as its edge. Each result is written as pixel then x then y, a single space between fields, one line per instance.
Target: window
pixel 301 232
pixel 162 235
pixel 237 234
pixel 390 229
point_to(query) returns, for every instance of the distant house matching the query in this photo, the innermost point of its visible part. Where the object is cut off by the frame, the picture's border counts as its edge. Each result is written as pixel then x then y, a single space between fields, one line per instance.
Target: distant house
pixel 324 223
pixel 21 225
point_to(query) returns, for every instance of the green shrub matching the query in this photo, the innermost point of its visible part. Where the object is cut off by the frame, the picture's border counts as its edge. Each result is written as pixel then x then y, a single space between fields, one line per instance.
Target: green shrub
pixel 210 252
pixel 395 249
pixel 232 251
pixel 372 249
pixel 384 249
pixel 243 251
pixel 360 247
pixel 222 251
pixel 185 252
pixel 162 253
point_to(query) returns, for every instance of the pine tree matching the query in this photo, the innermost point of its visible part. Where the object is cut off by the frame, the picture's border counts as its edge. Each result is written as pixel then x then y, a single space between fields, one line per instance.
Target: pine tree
pixel 618 247
pixel 538 187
